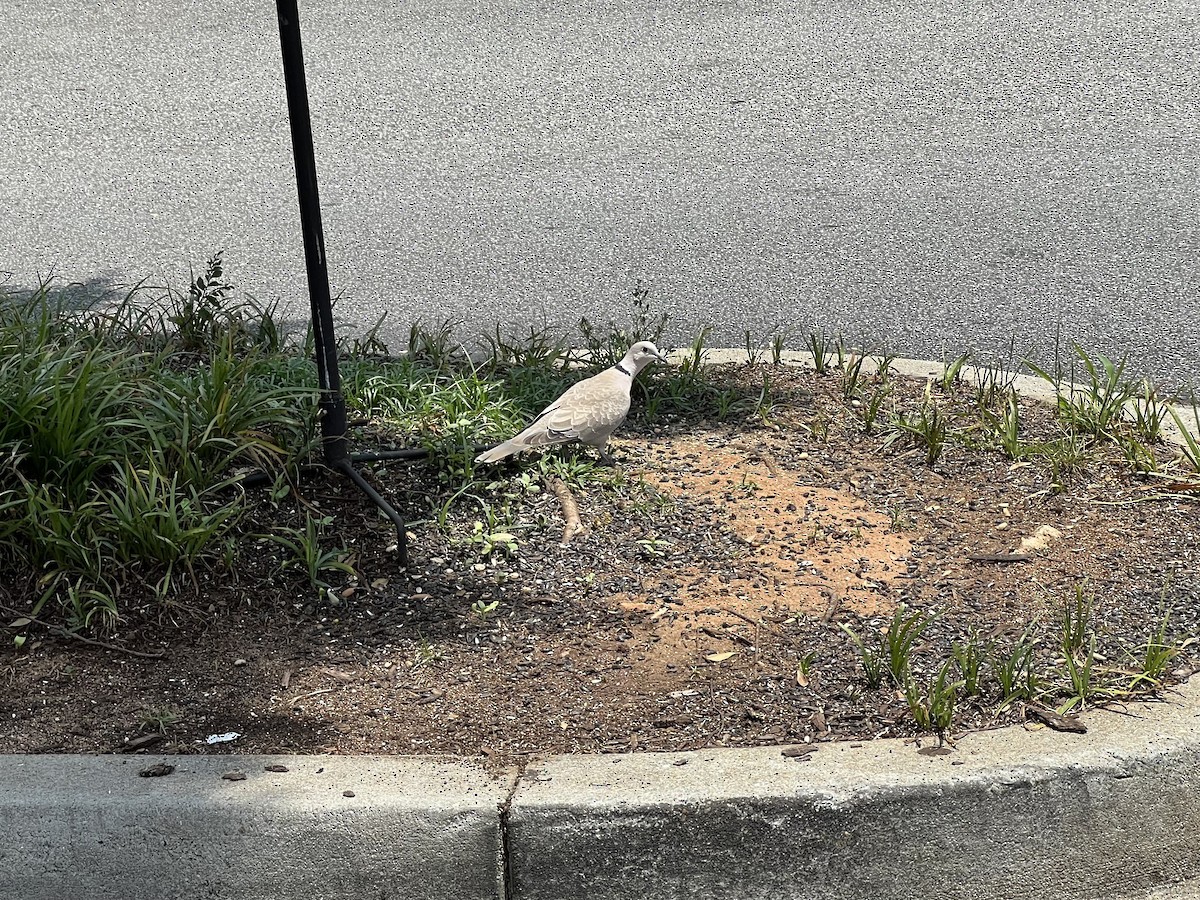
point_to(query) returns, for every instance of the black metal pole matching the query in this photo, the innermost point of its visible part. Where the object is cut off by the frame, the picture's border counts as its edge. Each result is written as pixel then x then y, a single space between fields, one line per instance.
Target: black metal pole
pixel 332 401
pixel 333 404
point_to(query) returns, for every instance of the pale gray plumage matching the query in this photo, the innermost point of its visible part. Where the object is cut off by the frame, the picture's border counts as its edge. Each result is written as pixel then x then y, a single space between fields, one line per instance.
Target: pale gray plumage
pixel 588 411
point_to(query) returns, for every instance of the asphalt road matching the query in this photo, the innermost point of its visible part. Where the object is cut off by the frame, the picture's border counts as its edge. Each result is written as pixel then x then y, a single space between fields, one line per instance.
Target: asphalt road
pixel 934 175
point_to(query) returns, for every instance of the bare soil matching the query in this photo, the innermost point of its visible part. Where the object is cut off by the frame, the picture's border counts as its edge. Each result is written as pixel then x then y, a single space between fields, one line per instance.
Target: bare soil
pixel 700 608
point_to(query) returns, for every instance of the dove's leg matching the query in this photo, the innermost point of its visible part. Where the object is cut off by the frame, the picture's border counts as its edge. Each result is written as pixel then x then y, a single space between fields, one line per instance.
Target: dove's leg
pixel 605 458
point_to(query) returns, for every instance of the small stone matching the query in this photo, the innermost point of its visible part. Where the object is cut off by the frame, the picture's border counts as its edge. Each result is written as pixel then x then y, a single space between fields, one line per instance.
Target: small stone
pixel 239 662
pixel 347 793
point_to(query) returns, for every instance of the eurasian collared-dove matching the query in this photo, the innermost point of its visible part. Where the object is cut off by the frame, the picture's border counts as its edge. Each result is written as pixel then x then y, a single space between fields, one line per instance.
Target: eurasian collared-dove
pixel 588 411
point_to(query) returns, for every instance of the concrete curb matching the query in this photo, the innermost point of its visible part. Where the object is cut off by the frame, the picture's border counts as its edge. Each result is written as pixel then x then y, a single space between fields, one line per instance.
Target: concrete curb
pixel 89 828
pixel 1010 814
pixel 1110 815
pixel 1029 386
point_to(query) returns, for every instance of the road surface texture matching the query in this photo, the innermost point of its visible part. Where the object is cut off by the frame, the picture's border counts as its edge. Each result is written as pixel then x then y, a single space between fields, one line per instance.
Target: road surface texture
pixel 934 175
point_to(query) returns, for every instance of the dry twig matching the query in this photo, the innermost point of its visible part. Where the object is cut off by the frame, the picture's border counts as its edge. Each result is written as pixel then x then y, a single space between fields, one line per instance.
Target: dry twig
pixel 68 633
pixel 570 509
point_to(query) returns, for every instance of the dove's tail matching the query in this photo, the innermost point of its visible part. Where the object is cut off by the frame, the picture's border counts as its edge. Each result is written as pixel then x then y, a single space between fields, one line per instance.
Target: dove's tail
pixel 536 435
pixel 499 452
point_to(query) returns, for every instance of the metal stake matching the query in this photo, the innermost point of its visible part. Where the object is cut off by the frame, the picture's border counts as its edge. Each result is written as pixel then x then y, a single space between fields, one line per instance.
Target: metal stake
pixel 332 401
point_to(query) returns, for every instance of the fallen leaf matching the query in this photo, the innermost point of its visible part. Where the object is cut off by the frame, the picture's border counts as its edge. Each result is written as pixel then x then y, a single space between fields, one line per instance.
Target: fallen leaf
pixel 275 768
pixel 721 657
pixel 798 752
pixel 1053 720
pixel 157 770
pixel 234 776
pixel 801 677
pixel 20 623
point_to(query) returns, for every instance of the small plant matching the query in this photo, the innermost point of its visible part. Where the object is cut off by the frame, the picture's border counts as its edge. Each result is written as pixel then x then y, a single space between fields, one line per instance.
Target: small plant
pixel 1075 622
pixel 933 709
pixel 990 383
pixel 1190 437
pixel 1148 412
pixel 1016 672
pixel 951 373
pixel 870 658
pixel 1010 428
pixel 308 555
pixel 1098 406
pixel 893 647
pixel 434 346
pixel 1139 457
pixel 159 719
pixel 1157 654
pixel 818 347
pixel 749 346
pixel 901 637
pixel 872 405
pixel 484 611
pixel 883 365
pixel 88 608
pixel 425 654
pixel 852 378
pixel 1066 456
pixel 1081 669
pixel 971 657
pixel 606 345
pixel 539 350
pixel 490 541
pixel 777 346
pixel 197 314
pixel 927 427
pixel 654 547
pixel 819 427
pixel 805 666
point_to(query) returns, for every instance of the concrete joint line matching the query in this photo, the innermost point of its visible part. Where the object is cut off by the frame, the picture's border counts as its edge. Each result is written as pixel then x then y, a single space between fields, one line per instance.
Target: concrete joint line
pixel 504 811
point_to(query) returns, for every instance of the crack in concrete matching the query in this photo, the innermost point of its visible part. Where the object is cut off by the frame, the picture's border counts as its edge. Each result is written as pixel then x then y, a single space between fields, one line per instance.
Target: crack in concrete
pixel 504 808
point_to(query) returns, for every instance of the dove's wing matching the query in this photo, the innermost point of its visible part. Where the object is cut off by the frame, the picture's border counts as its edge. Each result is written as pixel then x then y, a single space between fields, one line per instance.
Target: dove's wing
pixel 588 411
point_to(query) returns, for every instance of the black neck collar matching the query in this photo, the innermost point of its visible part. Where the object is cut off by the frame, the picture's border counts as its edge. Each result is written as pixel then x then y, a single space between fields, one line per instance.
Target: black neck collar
pixel 620 368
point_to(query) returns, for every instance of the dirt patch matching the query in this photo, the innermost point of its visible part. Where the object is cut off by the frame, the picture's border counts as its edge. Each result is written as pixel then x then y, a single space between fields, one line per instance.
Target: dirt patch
pixel 701 608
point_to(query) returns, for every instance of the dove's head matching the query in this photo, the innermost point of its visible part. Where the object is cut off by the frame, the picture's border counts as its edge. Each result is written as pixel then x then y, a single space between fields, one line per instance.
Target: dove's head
pixel 641 355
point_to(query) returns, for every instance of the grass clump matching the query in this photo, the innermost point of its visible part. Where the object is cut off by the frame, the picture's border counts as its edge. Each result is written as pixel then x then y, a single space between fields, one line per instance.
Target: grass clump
pixel 117 455
pixel 126 429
